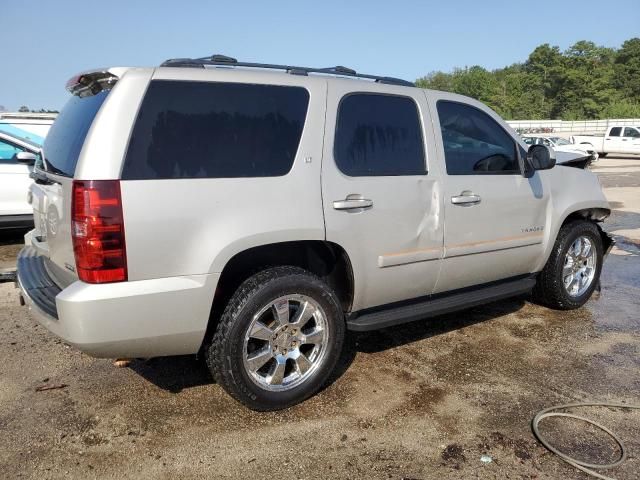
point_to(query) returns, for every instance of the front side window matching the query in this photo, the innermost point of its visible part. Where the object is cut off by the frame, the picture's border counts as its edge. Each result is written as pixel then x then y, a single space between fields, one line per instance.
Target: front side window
pixel 631 132
pixel 8 152
pixel 191 129
pixel 474 143
pixel 615 132
pixel 379 135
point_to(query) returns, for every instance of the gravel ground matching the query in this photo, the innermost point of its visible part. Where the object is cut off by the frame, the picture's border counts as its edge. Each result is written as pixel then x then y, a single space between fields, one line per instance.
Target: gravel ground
pixel 423 401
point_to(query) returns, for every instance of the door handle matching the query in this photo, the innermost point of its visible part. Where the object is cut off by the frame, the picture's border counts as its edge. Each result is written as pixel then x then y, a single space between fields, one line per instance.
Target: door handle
pixel 625 139
pixel 466 199
pixel 353 202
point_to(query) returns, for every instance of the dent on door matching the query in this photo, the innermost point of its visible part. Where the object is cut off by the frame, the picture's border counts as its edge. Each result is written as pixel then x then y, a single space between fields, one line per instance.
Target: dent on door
pixel 431 222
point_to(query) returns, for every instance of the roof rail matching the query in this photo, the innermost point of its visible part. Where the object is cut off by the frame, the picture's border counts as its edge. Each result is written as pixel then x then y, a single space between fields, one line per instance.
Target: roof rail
pixel 223 60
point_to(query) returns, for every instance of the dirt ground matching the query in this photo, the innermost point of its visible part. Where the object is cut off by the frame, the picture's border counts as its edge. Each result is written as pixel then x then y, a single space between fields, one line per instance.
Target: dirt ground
pixel 424 401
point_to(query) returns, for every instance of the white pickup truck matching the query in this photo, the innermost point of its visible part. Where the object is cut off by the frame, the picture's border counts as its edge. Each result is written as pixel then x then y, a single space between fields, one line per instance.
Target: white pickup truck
pixel 621 139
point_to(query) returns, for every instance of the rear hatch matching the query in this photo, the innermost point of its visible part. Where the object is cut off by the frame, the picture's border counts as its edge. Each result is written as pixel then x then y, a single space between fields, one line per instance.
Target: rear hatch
pixel 53 174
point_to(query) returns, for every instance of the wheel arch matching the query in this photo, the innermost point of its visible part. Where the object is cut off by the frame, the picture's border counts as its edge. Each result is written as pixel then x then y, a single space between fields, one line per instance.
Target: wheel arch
pixel 596 213
pixel 327 260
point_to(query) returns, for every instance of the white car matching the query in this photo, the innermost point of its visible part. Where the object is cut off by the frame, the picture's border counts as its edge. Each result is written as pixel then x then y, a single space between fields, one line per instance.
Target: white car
pixel 17 157
pixel 560 144
pixel 621 139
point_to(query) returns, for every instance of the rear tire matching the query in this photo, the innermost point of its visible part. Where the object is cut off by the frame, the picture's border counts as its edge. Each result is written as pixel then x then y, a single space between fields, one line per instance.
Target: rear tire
pixel 278 340
pixel 573 270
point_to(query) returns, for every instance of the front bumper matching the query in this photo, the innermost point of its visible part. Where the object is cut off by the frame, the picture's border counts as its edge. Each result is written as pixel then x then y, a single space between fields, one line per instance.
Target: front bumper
pixel 145 318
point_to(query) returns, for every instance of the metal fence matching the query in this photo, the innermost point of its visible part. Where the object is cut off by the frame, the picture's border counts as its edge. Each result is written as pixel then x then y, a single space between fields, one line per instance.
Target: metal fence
pixel 570 127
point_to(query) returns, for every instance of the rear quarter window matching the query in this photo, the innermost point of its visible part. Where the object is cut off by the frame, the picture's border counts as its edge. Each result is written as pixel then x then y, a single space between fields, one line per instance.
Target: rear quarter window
pixel 215 130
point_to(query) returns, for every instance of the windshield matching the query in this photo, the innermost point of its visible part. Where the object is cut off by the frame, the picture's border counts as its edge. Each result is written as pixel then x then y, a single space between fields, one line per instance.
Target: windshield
pixel 67 134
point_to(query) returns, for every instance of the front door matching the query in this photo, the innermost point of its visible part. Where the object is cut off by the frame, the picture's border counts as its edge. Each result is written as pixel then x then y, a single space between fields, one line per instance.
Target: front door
pixel 613 142
pixel 382 201
pixel 631 140
pixel 14 181
pixel 494 217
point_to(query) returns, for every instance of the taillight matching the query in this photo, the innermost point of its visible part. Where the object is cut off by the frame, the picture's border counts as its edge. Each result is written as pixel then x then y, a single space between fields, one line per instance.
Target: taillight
pixel 97 230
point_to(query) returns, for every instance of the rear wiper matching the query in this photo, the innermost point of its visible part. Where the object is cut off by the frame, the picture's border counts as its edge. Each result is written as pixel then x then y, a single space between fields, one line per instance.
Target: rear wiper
pixel 41 178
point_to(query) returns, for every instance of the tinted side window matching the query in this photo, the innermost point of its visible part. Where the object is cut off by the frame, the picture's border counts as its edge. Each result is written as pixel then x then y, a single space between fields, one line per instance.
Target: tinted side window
pixel 379 135
pixel 615 132
pixel 8 152
pixel 474 143
pixel 631 132
pixel 215 130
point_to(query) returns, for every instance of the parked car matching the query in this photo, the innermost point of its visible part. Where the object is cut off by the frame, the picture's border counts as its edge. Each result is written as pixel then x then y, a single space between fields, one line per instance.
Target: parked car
pixel 17 156
pixel 620 139
pixel 255 214
pixel 560 144
pixel 33 125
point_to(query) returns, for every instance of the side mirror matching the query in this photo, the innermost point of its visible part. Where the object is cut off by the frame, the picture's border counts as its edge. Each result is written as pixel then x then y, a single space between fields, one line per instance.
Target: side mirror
pixel 26 157
pixel 541 157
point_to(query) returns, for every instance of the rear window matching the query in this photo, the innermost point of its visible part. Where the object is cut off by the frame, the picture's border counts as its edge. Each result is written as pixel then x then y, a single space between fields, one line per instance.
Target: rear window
pixel 215 130
pixel 66 136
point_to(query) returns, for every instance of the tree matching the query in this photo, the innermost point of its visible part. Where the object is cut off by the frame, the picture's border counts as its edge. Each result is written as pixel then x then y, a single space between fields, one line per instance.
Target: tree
pixel 627 68
pixel 436 81
pixel 23 108
pixel 584 81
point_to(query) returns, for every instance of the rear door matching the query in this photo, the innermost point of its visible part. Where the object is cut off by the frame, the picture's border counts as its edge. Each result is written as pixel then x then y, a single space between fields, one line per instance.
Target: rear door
pixel 494 217
pixel 52 191
pixel 381 194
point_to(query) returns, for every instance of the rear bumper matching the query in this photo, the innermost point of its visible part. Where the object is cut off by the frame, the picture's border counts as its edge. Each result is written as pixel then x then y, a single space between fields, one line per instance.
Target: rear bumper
pixel 146 318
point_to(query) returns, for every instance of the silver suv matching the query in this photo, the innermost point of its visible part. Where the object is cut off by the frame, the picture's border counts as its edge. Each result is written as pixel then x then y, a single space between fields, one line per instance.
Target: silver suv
pixel 255 213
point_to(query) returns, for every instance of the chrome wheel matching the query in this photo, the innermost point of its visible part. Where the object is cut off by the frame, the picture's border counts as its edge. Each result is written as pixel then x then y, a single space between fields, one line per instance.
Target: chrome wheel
pixel 285 343
pixel 579 268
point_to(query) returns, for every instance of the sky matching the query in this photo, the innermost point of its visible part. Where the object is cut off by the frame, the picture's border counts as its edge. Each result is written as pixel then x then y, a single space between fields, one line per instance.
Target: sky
pixel 45 42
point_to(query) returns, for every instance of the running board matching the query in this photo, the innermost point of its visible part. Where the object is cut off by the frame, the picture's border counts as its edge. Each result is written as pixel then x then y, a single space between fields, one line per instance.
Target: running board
pixel 396 315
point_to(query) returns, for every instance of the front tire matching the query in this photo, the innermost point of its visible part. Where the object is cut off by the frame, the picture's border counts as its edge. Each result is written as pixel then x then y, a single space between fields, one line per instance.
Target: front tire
pixel 278 340
pixel 573 270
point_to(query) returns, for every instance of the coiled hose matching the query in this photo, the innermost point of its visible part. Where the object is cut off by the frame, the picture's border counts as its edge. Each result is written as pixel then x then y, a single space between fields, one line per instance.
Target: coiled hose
pixel 579 464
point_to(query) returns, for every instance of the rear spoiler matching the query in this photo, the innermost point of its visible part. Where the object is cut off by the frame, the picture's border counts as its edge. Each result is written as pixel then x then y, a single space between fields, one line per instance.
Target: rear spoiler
pixel 92 82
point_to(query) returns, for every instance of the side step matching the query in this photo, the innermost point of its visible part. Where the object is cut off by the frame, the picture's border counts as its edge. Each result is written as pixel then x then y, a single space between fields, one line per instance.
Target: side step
pixel 398 314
